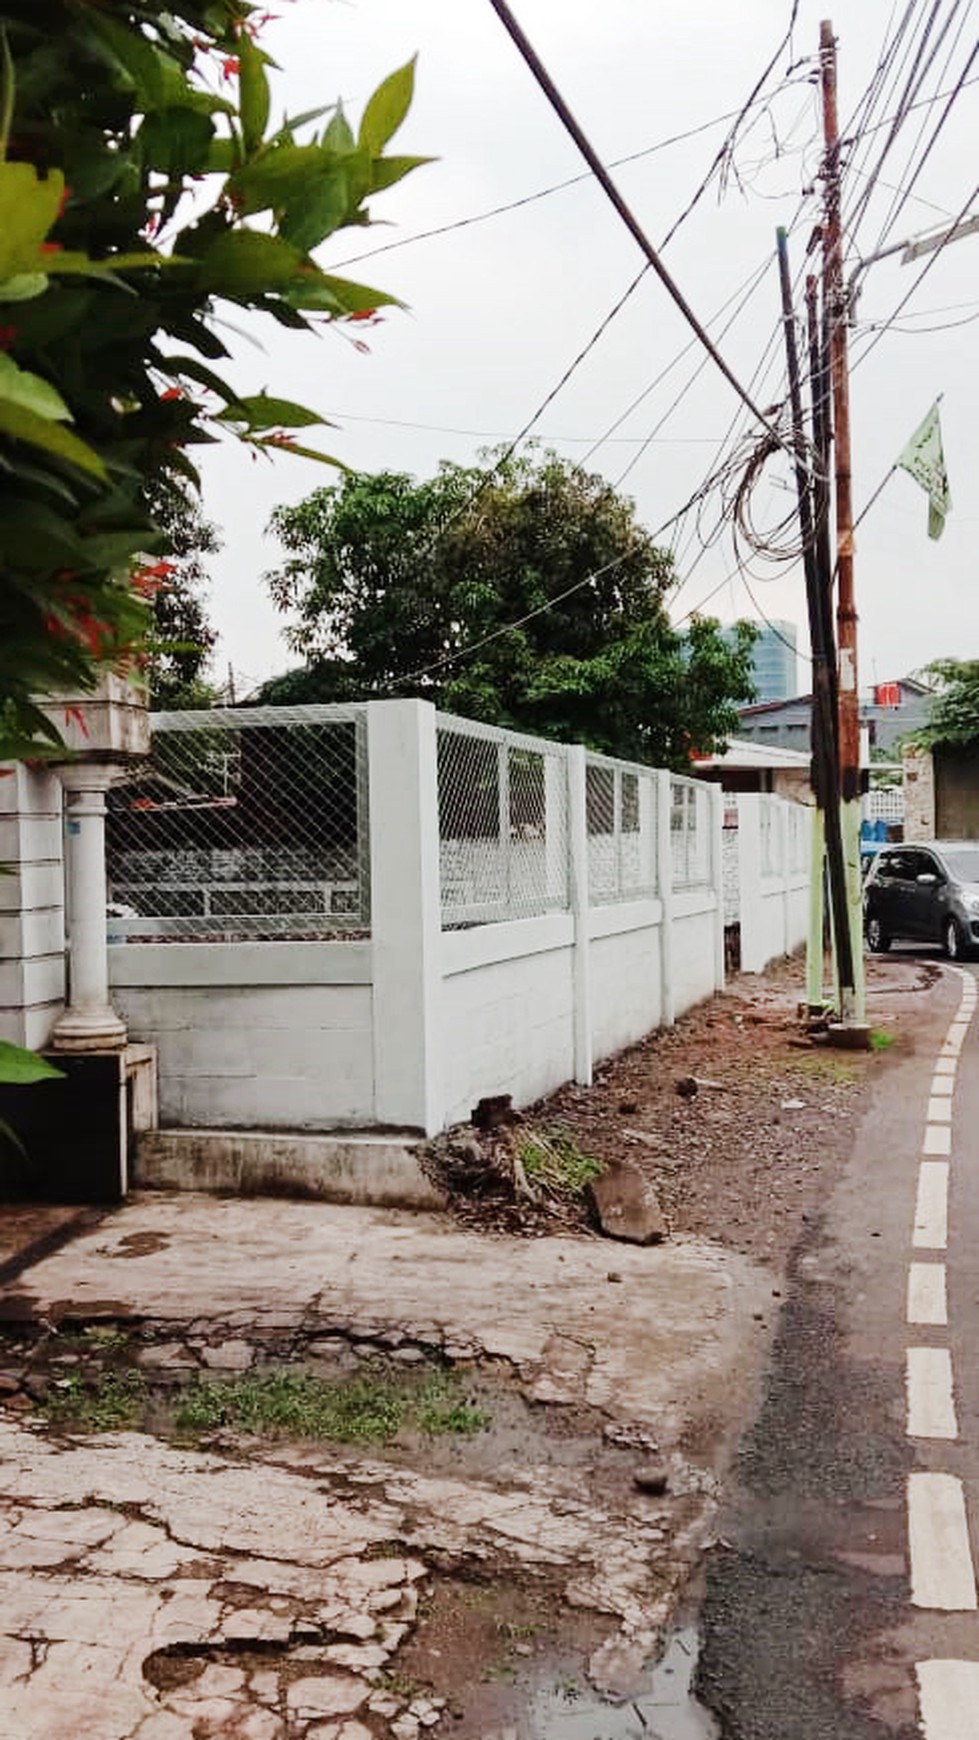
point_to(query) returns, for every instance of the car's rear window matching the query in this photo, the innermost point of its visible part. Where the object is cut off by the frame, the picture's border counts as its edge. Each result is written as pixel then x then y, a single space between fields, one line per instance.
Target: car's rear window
pixel 963 863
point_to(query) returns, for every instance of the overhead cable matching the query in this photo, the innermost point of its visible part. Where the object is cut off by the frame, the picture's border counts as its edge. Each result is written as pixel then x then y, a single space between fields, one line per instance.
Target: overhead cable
pixel 568 121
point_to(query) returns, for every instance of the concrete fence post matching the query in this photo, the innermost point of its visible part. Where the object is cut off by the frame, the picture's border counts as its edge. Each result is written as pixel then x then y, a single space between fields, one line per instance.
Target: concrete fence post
pixel 577 771
pixel 717 880
pixel 749 881
pixel 664 883
pixel 406 920
pixel 785 866
pixel 32 904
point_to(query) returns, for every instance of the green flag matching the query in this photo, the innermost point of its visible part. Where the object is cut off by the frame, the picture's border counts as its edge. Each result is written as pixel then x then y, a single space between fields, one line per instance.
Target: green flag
pixel 924 459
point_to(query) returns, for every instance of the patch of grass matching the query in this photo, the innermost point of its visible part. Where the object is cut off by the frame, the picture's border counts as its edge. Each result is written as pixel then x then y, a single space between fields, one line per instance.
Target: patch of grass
pixel 827 1066
pixel 112 1402
pixel 881 1040
pixel 553 1159
pixel 367 1408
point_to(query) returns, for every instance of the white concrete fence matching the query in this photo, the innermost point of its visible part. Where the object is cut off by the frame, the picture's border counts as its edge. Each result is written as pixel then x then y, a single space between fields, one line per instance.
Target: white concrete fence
pixel 514 911
pixel 774 848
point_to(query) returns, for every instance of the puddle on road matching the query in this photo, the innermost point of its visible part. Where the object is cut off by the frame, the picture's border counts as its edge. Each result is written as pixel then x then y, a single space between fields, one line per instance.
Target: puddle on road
pixel 665 1710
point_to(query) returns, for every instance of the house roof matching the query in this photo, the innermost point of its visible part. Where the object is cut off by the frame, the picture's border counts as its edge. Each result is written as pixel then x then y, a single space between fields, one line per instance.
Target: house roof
pixel 743 752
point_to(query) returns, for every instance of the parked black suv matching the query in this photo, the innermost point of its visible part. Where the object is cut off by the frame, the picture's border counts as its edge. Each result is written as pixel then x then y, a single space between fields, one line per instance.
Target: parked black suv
pixel 924 893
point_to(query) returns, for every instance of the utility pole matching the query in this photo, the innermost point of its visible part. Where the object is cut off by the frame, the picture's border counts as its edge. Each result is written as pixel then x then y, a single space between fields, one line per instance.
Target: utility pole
pixel 852 1000
pixel 810 486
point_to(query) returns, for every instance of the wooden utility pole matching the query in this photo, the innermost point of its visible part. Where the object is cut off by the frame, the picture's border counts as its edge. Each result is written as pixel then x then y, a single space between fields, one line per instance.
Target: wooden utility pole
pixel 810 487
pixel 852 1004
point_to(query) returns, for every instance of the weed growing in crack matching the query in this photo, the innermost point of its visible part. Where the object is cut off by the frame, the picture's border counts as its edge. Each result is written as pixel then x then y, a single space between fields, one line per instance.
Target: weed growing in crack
pixel 367 1408
pixel 114 1401
pixel 553 1160
pixel 881 1040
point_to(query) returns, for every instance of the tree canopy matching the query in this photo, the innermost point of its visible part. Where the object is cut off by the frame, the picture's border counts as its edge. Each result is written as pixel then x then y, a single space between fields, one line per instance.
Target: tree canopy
pixel 527 595
pixel 144 182
pixel 183 638
pixel 954 710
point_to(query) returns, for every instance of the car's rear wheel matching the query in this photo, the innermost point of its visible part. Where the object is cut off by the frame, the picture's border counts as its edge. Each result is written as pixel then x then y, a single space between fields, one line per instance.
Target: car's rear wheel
pixel 878 941
pixel 955 944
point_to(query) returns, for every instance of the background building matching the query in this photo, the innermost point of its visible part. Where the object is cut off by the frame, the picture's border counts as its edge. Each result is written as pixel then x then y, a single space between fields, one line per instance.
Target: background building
pixel 774 660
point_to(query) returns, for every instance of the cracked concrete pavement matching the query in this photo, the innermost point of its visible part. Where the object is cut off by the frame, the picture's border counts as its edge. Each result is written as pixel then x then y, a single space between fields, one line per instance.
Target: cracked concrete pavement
pixel 262 1591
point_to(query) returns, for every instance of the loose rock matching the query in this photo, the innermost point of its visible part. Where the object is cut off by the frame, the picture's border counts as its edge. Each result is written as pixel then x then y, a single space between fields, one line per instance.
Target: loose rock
pixel 627 1205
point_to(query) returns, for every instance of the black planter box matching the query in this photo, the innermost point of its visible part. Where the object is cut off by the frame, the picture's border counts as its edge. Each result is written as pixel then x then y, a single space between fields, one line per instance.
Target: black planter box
pixel 73 1132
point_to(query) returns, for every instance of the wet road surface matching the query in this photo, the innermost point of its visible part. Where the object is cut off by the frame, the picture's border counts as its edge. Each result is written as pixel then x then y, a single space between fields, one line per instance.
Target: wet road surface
pixel 841 1602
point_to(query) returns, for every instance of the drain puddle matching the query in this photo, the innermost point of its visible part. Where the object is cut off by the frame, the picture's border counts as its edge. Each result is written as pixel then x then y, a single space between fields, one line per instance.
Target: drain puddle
pixel 665 1710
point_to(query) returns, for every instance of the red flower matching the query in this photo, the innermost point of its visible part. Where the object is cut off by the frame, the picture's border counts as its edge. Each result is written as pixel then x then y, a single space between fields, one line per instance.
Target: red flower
pixel 369 314
pixel 173 393
pixel 230 67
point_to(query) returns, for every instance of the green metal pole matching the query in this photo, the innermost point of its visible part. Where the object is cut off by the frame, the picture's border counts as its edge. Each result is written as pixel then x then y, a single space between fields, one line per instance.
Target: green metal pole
pixel 814 945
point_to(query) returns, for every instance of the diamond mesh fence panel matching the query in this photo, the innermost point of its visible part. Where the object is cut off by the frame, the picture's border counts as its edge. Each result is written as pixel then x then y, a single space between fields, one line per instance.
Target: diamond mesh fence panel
pixel 245 824
pixel 620 807
pixel 503 824
pixel 690 833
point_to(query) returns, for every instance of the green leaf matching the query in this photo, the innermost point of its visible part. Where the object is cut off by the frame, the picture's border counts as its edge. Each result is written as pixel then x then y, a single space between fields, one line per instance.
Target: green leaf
pixel 28 210
pixel 388 170
pixel 26 425
pixel 23 287
pixel 299 452
pixel 253 93
pixel 387 109
pixel 320 209
pixel 339 296
pixel 22 1067
pixel 271 179
pixel 262 411
pixel 176 142
pixel 18 387
pixel 247 263
pixel 339 134
pixel 133 55
pixel 189 368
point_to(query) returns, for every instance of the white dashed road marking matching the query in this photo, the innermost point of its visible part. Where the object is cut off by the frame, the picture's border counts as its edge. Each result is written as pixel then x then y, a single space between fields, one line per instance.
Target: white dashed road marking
pixel 931 1405
pixel 942 1087
pixel 939 1111
pixel 938 1139
pixel 926 1294
pixel 942 1576
pixel 949 1695
pixel 931 1211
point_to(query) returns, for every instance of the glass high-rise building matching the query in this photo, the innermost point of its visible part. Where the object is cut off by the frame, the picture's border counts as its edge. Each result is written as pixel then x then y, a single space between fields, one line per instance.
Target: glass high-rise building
pixel 774 661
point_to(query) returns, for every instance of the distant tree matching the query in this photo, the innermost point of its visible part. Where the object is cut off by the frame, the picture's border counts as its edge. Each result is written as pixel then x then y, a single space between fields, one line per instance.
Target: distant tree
pixel 183 638
pixel 533 599
pixel 954 713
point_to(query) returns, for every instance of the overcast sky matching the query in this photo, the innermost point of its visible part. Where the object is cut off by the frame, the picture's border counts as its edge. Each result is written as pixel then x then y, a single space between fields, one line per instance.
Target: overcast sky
pixel 498 310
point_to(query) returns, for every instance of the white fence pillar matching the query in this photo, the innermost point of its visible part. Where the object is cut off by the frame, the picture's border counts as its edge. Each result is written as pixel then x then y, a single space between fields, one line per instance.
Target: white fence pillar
pixel 749 882
pixel 717 880
pixel 32 917
pixel 578 864
pixel 406 919
pixel 664 880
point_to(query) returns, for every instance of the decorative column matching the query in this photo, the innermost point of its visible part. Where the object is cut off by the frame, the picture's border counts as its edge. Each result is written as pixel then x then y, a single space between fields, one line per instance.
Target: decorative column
pixel 89 1022
pixel 105 731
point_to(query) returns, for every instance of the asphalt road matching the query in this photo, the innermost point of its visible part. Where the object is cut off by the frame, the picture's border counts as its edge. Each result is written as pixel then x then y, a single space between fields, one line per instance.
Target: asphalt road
pixel 841 1602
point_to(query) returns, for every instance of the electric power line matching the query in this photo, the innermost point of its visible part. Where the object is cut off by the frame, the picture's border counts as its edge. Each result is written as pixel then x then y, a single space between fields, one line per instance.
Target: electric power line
pixel 599 170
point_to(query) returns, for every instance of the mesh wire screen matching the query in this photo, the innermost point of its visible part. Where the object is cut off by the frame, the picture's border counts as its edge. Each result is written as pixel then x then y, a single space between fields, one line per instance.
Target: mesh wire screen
pixel 690 833
pixel 243 825
pixel 503 824
pixel 620 806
